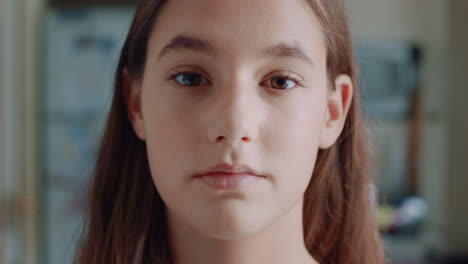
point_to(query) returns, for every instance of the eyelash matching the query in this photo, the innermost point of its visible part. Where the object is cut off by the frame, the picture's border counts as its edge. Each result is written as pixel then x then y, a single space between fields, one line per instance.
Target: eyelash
pixel 287 76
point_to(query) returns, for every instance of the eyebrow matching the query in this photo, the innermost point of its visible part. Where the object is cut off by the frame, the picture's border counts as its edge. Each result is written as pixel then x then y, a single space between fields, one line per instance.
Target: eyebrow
pixel 183 42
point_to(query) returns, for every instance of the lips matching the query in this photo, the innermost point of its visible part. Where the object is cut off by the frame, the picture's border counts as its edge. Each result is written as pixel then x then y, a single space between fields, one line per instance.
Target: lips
pixel 230 170
pixel 226 176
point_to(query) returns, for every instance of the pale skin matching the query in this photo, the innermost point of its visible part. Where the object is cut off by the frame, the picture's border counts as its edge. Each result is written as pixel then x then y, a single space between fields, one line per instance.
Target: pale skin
pixel 275 126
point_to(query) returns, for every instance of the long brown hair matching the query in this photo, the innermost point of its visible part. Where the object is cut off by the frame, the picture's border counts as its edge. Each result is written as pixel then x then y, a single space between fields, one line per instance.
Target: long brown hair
pixel 126 215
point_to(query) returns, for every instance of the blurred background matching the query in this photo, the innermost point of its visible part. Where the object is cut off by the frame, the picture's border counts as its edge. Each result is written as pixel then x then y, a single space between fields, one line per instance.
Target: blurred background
pixel 57 59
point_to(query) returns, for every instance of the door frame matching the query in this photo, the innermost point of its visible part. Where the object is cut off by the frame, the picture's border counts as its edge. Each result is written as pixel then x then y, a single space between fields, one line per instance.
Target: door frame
pixel 21 24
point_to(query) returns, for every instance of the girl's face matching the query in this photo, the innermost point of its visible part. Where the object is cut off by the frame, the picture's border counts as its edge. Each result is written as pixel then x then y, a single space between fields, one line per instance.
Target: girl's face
pixel 227 78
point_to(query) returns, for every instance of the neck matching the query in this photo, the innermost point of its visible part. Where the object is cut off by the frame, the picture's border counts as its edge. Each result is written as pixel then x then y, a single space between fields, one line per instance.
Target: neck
pixel 281 242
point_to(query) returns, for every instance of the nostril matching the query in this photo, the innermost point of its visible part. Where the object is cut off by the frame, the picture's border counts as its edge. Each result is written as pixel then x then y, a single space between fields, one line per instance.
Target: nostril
pixel 245 139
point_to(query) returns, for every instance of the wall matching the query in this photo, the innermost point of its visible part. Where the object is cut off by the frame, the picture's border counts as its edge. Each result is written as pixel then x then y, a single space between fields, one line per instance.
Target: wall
pixel 2 149
pixel 457 177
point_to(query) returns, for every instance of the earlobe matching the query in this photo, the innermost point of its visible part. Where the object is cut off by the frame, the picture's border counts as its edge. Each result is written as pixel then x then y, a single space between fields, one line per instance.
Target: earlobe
pixel 132 98
pixel 338 104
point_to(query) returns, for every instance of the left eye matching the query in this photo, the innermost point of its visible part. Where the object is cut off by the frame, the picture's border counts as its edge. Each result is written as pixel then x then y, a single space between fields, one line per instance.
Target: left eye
pixel 284 83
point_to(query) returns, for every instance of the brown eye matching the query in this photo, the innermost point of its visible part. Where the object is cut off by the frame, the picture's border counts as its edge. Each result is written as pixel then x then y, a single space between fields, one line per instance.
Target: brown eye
pixel 284 81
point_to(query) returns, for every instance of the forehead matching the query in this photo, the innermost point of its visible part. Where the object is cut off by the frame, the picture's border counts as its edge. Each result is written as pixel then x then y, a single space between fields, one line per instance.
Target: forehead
pixel 239 27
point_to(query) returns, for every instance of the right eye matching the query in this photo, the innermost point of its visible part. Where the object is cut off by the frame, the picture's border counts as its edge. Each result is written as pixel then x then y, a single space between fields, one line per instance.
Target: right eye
pixel 190 79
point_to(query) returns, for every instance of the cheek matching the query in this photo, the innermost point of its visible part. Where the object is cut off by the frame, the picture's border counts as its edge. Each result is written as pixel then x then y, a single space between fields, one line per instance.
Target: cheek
pixel 298 126
pixel 168 142
pixel 294 141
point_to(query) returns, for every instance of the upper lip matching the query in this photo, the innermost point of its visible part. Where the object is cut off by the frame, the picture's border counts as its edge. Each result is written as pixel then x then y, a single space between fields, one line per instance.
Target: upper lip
pixel 231 169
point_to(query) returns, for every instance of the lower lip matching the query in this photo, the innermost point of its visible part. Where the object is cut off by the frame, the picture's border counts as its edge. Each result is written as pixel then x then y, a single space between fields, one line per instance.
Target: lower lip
pixel 229 180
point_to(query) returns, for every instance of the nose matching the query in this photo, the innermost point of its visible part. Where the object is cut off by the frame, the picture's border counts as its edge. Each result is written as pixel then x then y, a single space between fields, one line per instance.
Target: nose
pixel 235 114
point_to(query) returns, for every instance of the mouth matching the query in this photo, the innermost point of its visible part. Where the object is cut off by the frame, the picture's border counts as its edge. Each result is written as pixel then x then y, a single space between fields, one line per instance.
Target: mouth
pixel 225 176
pixel 223 180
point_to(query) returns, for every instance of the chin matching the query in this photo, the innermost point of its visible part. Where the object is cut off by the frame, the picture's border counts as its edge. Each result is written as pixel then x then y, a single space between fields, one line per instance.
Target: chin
pixel 231 233
pixel 231 226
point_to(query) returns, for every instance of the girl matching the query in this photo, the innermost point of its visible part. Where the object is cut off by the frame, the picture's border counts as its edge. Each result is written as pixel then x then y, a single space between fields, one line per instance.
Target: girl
pixel 235 137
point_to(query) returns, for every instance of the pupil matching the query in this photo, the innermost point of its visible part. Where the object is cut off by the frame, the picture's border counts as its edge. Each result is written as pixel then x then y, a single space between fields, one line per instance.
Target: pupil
pixel 191 78
pixel 280 81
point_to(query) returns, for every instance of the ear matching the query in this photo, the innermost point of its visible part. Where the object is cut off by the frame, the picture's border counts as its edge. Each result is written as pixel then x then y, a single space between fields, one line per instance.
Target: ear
pixel 132 97
pixel 339 102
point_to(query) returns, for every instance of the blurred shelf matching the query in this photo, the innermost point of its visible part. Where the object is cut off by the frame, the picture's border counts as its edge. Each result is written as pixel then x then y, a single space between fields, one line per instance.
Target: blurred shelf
pixel 82 116
pixel 404 249
pixel 84 3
